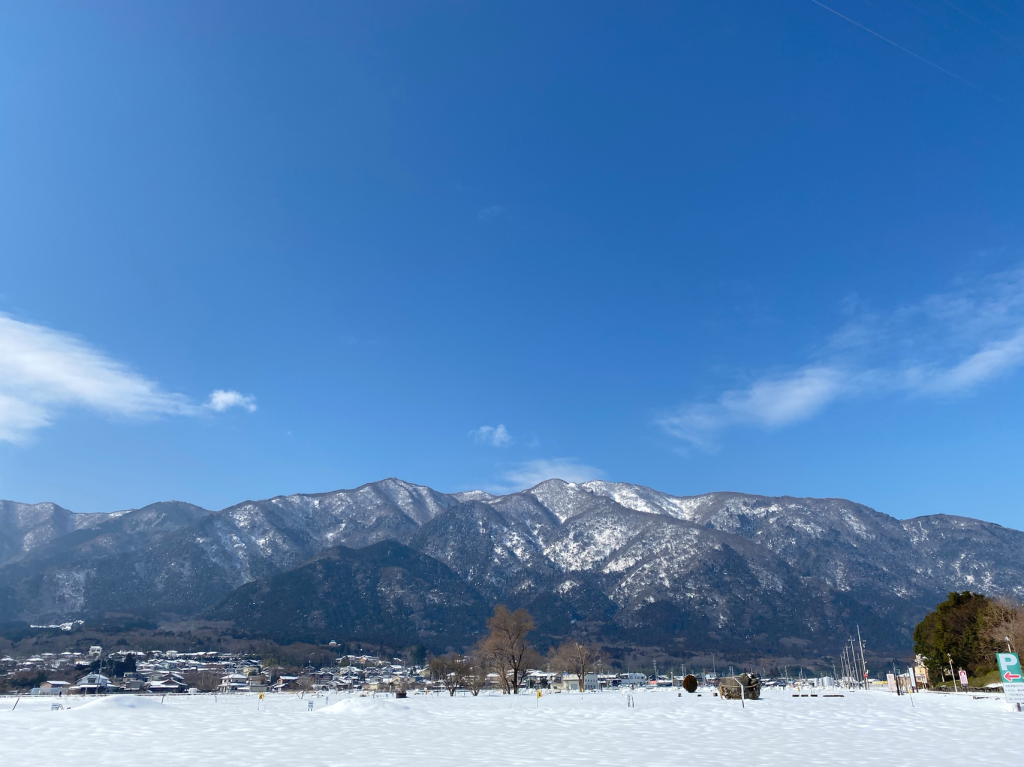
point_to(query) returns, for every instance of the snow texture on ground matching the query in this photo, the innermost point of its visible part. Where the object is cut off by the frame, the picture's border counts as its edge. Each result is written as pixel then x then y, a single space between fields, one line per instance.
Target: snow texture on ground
pixel 862 728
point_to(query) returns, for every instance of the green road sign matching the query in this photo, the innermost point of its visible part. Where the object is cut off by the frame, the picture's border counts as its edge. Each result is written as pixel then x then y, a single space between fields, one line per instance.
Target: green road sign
pixel 1012 678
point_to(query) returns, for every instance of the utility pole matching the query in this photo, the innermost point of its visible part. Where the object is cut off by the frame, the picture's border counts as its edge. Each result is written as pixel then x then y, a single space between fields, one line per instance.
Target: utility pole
pixel 952 673
pixel 847 667
pixel 863 664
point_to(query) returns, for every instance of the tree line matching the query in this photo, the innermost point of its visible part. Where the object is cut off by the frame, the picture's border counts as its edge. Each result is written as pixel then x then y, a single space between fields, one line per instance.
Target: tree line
pixel 506 652
pixel 967 630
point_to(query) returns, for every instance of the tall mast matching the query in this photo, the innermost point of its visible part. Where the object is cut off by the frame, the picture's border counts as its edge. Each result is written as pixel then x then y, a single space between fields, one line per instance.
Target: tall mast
pixel 863 664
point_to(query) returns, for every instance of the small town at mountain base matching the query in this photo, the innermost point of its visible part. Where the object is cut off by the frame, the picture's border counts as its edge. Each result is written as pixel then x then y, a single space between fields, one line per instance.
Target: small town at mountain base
pixel 341 701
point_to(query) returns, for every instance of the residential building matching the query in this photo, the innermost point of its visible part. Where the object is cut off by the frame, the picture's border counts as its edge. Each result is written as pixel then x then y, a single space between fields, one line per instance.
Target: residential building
pixel 91 684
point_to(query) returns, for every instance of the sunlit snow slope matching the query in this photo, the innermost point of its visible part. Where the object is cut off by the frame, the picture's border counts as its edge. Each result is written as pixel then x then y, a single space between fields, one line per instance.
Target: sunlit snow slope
pixel 617 561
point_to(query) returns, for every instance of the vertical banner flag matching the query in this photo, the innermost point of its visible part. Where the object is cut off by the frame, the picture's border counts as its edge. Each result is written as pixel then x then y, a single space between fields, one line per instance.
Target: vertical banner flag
pixel 963 678
pixel 913 678
pixel 1012 678
pixel 891 679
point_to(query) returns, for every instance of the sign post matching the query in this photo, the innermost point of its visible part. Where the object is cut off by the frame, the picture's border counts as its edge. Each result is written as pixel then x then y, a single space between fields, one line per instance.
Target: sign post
pixel 1012 678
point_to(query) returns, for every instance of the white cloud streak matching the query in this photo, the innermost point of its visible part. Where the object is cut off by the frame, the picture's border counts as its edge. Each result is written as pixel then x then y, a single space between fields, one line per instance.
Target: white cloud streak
pixel 992 360
pixel 491 213
pixel 495 436
pixel 531 473
pixel 44 371
pixel 949 344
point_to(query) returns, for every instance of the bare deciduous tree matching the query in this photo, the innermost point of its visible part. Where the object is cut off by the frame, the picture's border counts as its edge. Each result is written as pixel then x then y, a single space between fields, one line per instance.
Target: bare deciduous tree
pixel 575 657
pixel 1005 619
pixel 475 676
pixel 204 680
pixel 450 670
pixel 507 648
pixel 495 664
pixel 494 660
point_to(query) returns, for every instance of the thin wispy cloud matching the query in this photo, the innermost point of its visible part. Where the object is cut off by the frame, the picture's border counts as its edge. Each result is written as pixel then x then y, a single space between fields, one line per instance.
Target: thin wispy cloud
pixel 44 372
pixel 946 345
pixel 495 436
pixel 530 473
pixel 491 212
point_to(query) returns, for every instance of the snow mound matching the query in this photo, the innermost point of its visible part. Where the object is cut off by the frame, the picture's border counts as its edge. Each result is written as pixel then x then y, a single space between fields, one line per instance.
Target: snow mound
pixel 120 702
pixel 659 730
pixel 363 707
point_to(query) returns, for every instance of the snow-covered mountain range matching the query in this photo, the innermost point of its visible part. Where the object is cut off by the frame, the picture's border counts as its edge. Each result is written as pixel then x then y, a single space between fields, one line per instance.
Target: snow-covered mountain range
pixel 612 560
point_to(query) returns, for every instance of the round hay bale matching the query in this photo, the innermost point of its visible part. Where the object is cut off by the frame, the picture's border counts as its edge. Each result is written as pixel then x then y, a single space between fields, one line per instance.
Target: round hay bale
pixel 690 683
pixel 744 686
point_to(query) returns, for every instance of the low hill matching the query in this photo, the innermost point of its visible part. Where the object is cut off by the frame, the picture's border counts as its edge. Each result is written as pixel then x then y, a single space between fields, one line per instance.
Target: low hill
pixel 384 593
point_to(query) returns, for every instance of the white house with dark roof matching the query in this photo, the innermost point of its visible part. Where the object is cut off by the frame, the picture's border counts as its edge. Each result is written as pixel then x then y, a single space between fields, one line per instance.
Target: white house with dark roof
pixel 90 684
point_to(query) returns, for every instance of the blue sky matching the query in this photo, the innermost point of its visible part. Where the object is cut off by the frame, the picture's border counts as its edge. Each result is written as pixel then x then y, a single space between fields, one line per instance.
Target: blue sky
pixel 250 249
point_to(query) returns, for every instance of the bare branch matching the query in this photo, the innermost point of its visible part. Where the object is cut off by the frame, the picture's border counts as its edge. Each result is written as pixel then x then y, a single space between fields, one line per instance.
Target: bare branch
pixel 507 649
pixel 577 658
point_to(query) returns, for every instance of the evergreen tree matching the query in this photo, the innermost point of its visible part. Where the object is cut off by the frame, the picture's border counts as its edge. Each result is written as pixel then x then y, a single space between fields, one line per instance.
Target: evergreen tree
pixel 957 630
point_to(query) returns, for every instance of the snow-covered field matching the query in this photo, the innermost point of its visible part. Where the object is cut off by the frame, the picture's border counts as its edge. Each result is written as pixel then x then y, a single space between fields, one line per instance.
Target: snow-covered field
pixel 566 729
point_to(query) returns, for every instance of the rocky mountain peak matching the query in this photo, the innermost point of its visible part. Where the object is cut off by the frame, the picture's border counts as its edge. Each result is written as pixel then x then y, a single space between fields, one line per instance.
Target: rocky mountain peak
pixel 615 560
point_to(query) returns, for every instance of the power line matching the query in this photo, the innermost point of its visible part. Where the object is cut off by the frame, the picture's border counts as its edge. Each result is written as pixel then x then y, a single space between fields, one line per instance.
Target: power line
pixel 906 50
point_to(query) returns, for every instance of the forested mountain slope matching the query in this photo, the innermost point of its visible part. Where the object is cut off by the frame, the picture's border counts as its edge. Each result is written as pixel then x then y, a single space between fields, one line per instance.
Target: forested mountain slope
pixel 614 561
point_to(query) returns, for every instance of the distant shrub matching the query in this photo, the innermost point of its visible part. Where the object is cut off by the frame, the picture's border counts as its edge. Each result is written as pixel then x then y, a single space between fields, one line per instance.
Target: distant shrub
pixel 690 683
pixel 24 680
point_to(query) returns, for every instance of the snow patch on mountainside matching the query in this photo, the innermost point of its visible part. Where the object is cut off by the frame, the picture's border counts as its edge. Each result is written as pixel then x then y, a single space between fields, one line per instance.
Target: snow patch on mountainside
pixel 587 542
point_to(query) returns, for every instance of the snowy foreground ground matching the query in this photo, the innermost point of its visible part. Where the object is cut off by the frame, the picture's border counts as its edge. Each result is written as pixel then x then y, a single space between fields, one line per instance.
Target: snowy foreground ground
pixel 565 729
